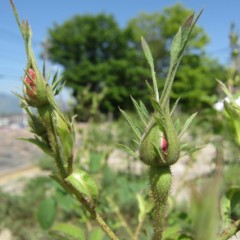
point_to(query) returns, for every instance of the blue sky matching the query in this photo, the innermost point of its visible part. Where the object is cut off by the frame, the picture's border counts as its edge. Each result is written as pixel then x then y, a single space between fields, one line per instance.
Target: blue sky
pixel 216 19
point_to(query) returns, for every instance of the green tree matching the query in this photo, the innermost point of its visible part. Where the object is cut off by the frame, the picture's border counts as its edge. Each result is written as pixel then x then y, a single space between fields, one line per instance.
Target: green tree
pixel 94 52
pixel 97 54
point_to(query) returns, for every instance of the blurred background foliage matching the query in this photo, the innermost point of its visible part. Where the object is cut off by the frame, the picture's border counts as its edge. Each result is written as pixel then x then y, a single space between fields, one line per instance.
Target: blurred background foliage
pixel 95 53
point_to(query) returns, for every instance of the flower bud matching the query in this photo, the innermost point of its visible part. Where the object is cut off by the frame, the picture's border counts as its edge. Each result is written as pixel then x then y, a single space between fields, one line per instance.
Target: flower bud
pixel 154 147
pixel 37 93
pixel 31 81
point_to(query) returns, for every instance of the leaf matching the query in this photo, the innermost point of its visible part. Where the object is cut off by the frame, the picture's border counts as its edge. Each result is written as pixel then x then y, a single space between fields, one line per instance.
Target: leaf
pixel 47 212
pixel 43 146
pixel 68 230
pixel 149 58
pixel 134 126
pixel 147 52
pixel 96 234
pixel 128 150
pixel 178 45
pixel 84 183
pixel 140 111
pixel 187 123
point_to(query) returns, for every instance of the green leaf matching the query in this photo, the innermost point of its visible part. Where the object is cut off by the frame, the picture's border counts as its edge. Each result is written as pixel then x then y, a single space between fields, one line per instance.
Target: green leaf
pixel 96 234
pixel 47 212
pixel 178 45
pixel 149 58
pixel 84 183
pixel 43 146
pixel 134 126
pixel 68 230
pixel 147 52
pixel 187 123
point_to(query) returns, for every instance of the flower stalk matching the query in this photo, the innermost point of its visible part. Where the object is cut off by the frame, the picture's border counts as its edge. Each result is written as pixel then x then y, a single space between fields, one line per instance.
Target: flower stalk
pixel 53 131
pixel 159 140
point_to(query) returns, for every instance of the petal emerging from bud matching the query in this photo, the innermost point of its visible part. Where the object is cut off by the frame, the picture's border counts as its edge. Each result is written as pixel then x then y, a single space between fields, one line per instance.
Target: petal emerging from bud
pixel 31 81
pixel 164 144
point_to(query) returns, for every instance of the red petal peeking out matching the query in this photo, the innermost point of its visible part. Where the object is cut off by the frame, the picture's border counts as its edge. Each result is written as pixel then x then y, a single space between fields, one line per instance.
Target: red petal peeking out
pixel 32 83
pixel 164 145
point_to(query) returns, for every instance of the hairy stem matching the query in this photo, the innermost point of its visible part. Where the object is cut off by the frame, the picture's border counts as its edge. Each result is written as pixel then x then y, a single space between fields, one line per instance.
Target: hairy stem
pixel 160 183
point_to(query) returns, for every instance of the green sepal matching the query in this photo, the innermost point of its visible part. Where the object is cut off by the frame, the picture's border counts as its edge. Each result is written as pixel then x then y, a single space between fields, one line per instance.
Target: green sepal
pixel 150 89
pixel 144 110
pixel 128 150
pixel 59 89
pixel 186 124
pixel 84 183
pixel 135 127
pixel 141 112
pixel 43 146
pixel 174 106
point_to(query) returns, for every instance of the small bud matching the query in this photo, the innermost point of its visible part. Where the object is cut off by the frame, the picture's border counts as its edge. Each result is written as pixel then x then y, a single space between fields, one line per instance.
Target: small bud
pixel 31 81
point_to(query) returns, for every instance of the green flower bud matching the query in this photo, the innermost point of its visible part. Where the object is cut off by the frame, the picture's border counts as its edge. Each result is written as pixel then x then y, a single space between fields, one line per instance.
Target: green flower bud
pixel 159 148
pixel 153 150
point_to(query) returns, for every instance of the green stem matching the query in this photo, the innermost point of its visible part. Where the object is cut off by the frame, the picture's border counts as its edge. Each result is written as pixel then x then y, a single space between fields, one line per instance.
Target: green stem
pixel 230 231
pixel 91 209
pixel 116 209
pixel 138 229
pixel 160 183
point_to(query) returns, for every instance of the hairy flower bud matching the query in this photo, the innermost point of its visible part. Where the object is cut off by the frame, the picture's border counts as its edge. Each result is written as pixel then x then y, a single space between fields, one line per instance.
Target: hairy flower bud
pixel 154 147
pixel 30 79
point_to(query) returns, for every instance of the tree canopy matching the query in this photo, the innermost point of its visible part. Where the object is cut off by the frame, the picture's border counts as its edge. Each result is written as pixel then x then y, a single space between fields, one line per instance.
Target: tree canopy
pixel 96 53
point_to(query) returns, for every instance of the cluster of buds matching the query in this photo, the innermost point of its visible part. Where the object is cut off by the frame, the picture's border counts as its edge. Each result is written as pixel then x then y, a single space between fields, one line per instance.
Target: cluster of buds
pixel 53 131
